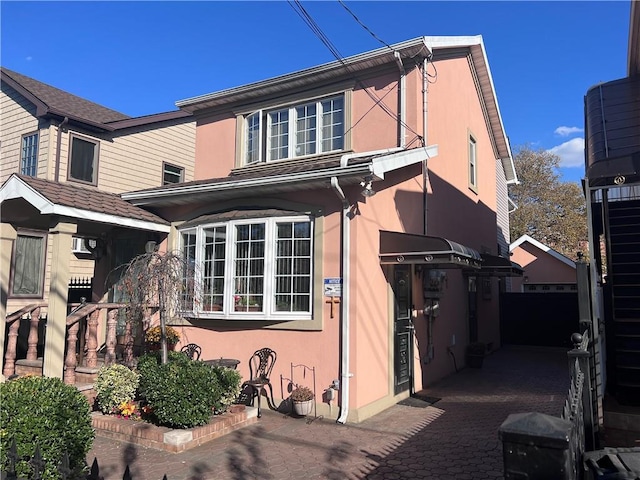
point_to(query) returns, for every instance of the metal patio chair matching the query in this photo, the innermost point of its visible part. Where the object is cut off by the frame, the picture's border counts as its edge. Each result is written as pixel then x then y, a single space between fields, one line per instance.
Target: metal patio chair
pixel 192 350
pixel 260 366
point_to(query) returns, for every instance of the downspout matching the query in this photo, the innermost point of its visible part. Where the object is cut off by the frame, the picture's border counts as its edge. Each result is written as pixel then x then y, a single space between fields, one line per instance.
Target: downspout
pixel 344 305
pixel 59 140
pixel 425 165
pixel 403 92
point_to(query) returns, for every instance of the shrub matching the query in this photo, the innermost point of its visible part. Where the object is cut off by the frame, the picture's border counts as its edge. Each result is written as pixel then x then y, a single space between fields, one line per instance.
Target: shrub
pixel 182 392
pixel 229 381
pixel 115 385
pixel 154 334
pixel 44 412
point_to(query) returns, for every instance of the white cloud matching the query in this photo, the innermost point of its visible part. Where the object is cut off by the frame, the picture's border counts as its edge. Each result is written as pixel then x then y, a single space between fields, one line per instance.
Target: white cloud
pixel 571 153
pixel 566 131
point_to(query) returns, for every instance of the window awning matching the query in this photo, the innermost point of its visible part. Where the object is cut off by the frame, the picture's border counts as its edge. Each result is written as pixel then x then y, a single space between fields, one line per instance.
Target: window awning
pixel 436 252
pixel 493 266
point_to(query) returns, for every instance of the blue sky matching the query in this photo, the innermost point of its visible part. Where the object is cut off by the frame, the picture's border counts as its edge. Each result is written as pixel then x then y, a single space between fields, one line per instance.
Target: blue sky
pixel 141 57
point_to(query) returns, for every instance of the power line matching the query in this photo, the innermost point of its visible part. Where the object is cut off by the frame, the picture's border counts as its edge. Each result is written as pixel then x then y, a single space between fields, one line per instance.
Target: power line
pixel 355 17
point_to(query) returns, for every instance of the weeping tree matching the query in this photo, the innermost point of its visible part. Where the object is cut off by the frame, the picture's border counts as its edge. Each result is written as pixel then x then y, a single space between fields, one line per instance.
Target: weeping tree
pixel 156 280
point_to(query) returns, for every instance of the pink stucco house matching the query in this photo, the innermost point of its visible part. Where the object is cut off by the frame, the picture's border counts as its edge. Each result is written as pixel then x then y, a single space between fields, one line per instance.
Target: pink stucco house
pixel 353 217
pixel 545 270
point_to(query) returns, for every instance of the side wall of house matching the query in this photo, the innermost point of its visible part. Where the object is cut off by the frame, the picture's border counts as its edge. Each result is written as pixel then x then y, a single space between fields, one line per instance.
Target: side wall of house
pixel 18 118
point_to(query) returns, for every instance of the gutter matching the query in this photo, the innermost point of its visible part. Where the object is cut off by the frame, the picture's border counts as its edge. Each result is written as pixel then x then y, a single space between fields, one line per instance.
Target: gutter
pixel 56 176
pixel 345 350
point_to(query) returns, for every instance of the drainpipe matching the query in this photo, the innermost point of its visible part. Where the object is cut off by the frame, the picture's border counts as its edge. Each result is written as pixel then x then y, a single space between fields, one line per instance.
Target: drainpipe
pixel 344 306
pixel 59 139
pixel 403 93
pixel 425 166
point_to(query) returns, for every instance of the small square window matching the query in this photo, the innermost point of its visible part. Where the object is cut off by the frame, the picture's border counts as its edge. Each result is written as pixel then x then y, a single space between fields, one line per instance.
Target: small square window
pixel 172 174
pixel 83 160
pixel 29 155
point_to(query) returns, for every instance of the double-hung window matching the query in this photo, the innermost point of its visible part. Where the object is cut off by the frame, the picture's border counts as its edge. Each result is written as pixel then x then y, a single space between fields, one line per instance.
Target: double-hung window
pixel 28 265
pixel 299 130
pixel 83 160
pixel 250 268
pixel 29 155
pixel 473 164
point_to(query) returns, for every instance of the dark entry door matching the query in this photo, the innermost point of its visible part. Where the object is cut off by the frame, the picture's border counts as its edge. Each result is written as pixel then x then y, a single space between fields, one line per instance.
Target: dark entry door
pixel 403 329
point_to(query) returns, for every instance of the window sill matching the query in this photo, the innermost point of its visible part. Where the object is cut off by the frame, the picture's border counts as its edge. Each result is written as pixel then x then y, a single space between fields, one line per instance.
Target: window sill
pixel 257 166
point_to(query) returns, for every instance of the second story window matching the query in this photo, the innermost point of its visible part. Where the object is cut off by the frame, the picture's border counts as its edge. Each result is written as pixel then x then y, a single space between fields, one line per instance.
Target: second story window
pixel 171 174
pixel 29 155
pixel 83 160
pixel 473 164
pixel 308 128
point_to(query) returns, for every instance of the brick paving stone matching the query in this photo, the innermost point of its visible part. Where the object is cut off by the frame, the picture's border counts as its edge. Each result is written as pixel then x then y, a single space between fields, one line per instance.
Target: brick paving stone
pixel 455 438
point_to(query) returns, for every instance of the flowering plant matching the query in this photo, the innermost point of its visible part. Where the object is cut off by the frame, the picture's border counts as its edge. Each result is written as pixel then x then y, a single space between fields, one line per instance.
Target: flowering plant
pixel 128 410
pixel 153 334
pixel 301 394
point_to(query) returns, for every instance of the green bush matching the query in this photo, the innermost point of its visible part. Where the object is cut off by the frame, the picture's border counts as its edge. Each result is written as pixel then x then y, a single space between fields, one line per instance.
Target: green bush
pixel 182 392
pixel 114 385
pixel 229 381
pixel 44 412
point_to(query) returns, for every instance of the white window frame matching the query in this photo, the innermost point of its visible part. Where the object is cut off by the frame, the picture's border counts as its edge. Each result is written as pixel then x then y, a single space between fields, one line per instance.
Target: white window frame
pixel 29 154
pixel 269 308
pixel 472 146
pixel 265 124
pixel 177 173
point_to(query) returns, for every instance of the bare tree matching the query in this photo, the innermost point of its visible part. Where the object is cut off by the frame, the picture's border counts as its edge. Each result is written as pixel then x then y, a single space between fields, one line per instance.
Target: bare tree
pixel 549 210
pixel 156 280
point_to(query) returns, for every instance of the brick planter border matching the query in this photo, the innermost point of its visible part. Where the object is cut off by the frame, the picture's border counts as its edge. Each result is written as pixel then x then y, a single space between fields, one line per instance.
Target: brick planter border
pixel 172 440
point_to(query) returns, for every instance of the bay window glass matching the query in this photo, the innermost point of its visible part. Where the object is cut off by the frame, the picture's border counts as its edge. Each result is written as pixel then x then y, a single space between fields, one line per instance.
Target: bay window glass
pixel 251 269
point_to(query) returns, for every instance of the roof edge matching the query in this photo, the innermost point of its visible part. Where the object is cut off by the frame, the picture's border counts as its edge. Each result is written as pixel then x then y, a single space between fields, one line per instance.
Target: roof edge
pixel 557 255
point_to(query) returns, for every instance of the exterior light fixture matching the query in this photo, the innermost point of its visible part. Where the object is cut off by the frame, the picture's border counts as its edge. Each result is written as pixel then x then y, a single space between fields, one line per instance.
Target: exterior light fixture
pixel 368 190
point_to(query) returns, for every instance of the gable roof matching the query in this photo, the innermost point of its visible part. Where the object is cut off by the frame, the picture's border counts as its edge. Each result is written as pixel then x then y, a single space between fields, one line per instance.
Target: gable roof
pixel 543 247
pixel 420 47
pixel 51 101
pixel 76 201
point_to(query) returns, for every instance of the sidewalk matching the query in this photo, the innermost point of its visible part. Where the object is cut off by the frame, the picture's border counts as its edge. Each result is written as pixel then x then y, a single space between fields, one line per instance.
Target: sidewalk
pixel 456 438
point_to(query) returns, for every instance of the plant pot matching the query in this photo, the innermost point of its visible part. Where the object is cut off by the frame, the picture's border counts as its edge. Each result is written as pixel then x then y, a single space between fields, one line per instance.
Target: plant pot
pixel 474 361
pixel 303 408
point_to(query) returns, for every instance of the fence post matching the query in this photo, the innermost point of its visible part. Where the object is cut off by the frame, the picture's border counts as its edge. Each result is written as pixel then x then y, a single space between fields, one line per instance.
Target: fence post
pixel 580 352
pixel 536 446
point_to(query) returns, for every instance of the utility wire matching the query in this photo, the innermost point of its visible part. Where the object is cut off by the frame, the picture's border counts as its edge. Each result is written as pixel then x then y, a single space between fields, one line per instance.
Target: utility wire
pixel 315 28
pixel 355 17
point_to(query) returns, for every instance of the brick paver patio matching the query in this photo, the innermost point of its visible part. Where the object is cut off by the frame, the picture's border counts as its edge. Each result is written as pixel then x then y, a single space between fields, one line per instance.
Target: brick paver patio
pixel 456 438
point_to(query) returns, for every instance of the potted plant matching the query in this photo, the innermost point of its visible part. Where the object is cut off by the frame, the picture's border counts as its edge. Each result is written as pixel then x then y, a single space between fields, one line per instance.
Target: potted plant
pixel 153 335
pixel 302 399
pixel 474 353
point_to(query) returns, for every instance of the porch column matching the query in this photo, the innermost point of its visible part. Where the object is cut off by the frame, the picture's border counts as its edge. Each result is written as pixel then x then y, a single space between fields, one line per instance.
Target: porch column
pixel 7 238
pixel 61 233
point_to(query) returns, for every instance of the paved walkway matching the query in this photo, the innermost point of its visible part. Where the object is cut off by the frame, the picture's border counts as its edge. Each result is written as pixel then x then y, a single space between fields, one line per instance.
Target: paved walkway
pixel 456 438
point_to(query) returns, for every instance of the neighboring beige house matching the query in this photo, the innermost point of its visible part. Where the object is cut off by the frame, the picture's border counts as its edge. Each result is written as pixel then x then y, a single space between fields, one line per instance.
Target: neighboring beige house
pixel 63 160
pixel 545 270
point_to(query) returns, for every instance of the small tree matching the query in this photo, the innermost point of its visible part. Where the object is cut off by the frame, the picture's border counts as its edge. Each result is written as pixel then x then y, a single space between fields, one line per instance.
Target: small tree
pixel 162 280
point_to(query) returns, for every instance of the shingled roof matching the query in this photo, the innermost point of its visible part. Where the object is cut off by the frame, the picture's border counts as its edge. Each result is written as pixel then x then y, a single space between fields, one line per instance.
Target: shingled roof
pixel 53 101
pixel 64 103
pixel 87 199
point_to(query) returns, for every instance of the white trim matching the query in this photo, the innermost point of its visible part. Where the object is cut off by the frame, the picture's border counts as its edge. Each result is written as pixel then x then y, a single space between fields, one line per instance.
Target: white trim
pixel 378 166
pixel 17 188
pixel 543 247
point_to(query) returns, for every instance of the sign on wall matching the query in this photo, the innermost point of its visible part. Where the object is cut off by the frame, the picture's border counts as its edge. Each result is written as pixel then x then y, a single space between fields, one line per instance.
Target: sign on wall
pixel 333 287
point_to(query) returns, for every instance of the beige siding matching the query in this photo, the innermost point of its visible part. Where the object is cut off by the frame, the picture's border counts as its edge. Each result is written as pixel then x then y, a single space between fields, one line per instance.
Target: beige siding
pixel 17 117
pixel 142 154
pixel 502 212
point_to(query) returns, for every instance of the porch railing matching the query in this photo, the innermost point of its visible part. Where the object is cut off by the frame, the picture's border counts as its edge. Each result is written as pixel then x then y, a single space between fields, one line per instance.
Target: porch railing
pixel 82 326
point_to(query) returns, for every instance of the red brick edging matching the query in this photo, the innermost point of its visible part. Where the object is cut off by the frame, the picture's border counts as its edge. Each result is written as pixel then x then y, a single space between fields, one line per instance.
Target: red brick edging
pixel 172 440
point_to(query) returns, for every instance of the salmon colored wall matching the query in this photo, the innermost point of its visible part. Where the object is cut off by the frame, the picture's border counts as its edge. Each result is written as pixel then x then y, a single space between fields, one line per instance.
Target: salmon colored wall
pixel 215 146
pixel 455 212
pixel 540 267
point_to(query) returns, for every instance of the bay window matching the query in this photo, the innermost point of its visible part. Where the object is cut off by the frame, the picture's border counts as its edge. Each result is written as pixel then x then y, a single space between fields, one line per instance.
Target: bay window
pixel 308 128
pixel 250 268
